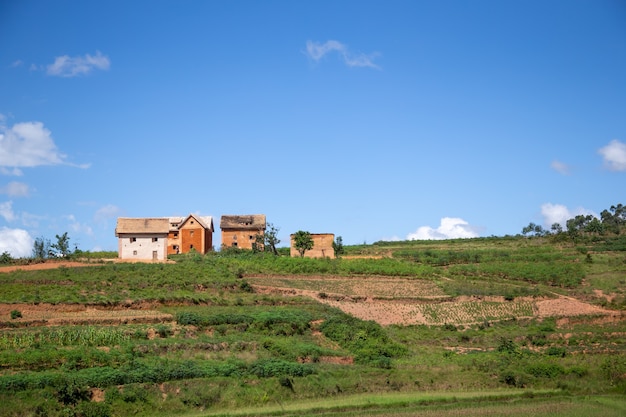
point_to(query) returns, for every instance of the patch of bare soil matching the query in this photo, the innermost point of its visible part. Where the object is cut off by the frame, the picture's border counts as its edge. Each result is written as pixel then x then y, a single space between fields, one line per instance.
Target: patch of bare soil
pixel 45 265
pixel 72 264
pixel 565 306
pixel 64 314
pixel 97 395
pixel 406 311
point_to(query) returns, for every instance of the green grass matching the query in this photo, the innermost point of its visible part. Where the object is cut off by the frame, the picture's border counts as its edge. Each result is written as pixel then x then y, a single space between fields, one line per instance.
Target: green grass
pixel 225 347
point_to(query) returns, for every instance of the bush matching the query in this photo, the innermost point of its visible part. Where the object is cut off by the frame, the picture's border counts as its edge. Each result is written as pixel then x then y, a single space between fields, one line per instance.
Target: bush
pixel 556 351
pixel 545 370
pixel 93 409
pixel 513 379
pixel 16 314
pixel 5 258
pixel 72 393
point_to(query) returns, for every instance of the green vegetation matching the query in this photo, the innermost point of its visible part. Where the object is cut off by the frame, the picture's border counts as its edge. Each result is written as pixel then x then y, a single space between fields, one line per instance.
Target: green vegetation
pixel 220 345
pixel 303 242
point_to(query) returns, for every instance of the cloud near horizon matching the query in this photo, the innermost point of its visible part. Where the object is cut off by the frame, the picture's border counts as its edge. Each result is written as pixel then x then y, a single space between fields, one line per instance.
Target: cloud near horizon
pixel 317 51
pixel 558 213
pixel 66 66
pixel 614 155
pixel 16 242
pixel 449 228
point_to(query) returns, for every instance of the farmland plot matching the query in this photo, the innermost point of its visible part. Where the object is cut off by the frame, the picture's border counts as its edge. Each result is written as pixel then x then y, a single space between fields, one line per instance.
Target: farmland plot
pixel 378 287
pixel 389 300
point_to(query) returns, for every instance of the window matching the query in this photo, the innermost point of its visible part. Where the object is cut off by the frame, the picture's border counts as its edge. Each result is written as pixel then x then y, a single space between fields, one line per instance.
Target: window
pixel 251 237
pixel 133 239
pixel 155 239
pixel 135 252
pixel 190 247
pixel 191 233
pixel 234 244
pixel 175 235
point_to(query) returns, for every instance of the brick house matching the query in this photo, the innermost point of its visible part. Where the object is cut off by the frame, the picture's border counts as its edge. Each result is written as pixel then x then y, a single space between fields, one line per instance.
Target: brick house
pixel 241 230
pixel 322 246
pixel 155 238
pixel 190 233
pixel 143 238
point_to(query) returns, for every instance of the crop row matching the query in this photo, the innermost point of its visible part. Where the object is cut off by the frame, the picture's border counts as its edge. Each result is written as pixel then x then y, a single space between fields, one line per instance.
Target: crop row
pixel 152 372
pixel 64 336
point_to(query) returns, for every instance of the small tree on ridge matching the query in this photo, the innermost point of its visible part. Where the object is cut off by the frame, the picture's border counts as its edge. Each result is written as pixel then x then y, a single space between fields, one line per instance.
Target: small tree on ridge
pixel 303 242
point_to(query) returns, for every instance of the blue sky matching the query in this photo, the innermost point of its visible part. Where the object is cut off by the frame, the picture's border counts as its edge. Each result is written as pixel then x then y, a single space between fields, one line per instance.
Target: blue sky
pixel 372 120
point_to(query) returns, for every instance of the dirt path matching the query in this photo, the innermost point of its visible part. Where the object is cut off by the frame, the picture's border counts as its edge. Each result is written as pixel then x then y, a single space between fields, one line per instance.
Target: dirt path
pixel 72 264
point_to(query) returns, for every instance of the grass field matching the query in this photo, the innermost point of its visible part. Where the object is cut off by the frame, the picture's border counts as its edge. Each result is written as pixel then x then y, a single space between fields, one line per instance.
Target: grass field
pixel 495 326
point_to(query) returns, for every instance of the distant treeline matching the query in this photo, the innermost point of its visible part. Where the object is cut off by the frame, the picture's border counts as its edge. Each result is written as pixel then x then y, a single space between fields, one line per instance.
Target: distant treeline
pixel 612 220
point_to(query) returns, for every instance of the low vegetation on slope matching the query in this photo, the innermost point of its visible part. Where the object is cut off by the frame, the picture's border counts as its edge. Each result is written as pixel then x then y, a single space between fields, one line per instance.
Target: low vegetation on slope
pixel 217 333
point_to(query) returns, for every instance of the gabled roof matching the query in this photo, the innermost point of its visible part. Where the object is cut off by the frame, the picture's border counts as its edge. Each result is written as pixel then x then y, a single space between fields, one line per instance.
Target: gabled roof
pixel 243 222
pixel 142 225
pixel 175 223
pixel 204 221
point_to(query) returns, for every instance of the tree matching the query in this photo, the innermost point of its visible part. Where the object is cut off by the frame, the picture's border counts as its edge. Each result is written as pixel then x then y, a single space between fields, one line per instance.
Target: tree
pixel 303 242
pixel 41 248
pixel 533 228
pixel 267 241
pixel 556 228
pixel 614 219
pixel 271 238
pixel 62 245
pixel 338 246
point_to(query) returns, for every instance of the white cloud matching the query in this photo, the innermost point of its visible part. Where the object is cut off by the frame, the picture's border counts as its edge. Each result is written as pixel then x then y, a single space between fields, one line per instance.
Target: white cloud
pixel 17 242
pixel 106 212
pixel 66 66
pixel 15 189
pixel 558 213
pixel 27 144
pixel 450 228
pixel 6 211
pixel 560 167
pixel 17 63
pixel 614 155
pixel 78 227
pixel 15 172
pixel 317 51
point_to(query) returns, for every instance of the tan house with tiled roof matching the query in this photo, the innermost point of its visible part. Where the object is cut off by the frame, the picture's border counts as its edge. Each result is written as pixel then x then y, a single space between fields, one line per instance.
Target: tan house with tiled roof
pixel 241 230
pixel 155 238
pixel 142 238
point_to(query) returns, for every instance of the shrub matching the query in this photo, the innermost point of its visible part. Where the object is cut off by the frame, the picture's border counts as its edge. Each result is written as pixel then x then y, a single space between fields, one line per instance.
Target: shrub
pixel 16 314
pixel 93 409
pixel 545 370
pixel 246 287
pixel 513 379
pixel 507 346
pixel 72 393
pixel 6 258
pixel 558 351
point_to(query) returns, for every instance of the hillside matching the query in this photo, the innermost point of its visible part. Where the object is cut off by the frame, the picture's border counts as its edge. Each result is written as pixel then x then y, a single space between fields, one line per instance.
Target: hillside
pixel 442 325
